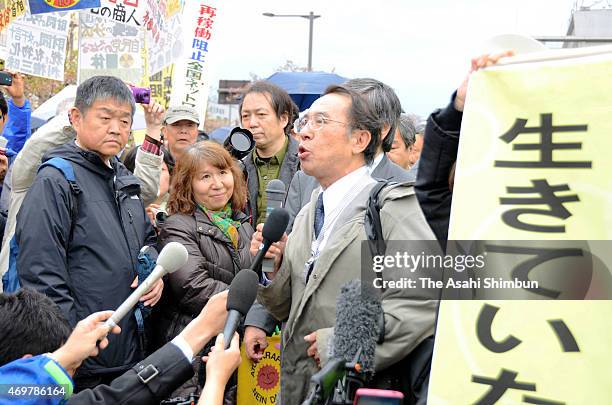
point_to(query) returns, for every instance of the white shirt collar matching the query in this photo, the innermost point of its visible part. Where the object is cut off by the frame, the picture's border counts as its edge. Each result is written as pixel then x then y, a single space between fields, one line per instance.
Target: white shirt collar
pixel 375 162
pixel 337 192
pixel 335 198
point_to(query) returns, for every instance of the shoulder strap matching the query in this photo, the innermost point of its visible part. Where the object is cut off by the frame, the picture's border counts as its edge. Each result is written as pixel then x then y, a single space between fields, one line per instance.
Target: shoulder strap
pixel 373 226
pixel 67 170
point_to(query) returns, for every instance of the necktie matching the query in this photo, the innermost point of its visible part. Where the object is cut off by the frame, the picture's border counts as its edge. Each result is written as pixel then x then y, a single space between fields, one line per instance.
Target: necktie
pixel 319 215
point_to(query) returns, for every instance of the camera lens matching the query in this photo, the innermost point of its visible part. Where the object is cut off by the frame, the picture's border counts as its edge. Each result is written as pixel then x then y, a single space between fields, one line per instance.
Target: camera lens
pixel 240 141
pixel 160 218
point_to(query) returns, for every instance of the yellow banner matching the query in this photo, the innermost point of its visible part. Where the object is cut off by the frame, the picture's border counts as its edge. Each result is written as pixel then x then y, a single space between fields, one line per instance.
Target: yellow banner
pixel 259 383
pixel 533 165
pixel 9 10
pixel 161 85
pixel 533 157
pixel 537 359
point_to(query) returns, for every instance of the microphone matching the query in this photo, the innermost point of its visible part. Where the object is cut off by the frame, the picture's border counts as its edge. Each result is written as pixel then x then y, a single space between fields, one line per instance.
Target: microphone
pixel 273 230
pixel 240 298
pixel 358 315
pixel 172 257
pixel 275 195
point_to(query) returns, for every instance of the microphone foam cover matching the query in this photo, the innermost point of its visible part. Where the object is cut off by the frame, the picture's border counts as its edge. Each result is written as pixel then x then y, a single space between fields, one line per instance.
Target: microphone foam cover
pixel 275 225
pixel 276 185
pixel 242 291
pixel 172 257
pixel 357 324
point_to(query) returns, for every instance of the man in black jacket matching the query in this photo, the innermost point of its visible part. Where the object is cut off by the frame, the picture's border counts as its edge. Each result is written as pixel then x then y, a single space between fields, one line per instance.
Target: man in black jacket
pixel 79 241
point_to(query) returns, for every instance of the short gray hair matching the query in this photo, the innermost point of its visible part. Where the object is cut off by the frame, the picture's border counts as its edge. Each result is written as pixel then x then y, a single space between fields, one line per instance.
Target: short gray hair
pixel 383 101
pixel 102 88
pixel 407 130
pixel 361 115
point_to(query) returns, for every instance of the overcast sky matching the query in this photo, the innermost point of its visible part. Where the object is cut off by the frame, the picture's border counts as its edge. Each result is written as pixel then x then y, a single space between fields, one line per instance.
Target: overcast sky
pixel 420 48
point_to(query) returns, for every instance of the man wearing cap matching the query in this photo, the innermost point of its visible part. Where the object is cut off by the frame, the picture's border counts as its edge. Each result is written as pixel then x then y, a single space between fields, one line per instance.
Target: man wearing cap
pixel 180 129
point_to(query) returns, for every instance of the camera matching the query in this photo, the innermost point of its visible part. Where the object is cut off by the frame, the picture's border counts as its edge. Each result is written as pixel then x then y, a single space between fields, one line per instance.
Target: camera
pixel 142 95
pixel 239 143
pixel 160 217
pixel 6 79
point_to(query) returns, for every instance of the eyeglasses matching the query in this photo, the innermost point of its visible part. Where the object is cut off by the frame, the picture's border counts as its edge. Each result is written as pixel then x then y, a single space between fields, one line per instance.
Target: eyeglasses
pixel 315 122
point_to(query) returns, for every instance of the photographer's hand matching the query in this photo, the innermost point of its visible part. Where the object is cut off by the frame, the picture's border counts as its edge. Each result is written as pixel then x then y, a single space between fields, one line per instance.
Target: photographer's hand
pixel 154 115
pixel 17 89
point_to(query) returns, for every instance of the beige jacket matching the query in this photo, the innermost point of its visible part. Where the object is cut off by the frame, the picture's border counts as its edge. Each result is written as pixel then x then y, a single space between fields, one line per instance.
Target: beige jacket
pixel 55 133
pixel 312 307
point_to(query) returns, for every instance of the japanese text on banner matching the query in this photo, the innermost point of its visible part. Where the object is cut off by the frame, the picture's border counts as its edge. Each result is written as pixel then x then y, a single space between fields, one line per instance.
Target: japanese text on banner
pixel 532 166
pixel 37 45
pixel 9 10
pixel 109 48
pixel 122 11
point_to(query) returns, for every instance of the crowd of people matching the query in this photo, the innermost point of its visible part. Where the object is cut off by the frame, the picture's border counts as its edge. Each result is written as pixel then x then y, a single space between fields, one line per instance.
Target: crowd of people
pixel 84 219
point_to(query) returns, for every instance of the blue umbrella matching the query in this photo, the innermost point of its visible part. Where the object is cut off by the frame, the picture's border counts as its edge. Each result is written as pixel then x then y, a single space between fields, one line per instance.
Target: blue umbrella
pixel 305 87
pixel 220 134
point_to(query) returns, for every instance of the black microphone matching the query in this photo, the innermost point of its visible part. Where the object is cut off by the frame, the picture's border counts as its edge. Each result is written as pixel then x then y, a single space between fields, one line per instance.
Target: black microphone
pixel 242 293
pixel 275 196
pixel 272 232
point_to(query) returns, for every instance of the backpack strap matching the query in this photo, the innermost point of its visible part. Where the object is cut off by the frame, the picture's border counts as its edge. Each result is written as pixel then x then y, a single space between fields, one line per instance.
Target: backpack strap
pixel 373 226
pixel 67 170
pixel 10 280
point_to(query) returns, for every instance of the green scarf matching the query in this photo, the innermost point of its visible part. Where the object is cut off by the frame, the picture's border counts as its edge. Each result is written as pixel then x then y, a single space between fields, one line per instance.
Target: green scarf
pixel 223 220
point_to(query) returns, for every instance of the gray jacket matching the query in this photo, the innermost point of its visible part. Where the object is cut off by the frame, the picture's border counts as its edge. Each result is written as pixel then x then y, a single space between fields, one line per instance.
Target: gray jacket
pixel 289 167
pixel 311 307
pixel 299 193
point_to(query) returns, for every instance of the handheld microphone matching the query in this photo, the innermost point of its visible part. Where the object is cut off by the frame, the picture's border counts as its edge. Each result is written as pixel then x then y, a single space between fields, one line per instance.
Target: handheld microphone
pixel 275 195
pixel 172 257
pixel 272 232
pixel 240 298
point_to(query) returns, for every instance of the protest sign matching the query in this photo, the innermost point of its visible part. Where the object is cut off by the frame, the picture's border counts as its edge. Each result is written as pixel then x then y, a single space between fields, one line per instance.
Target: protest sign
pixel 533 166
pixel 164 35
pixel 109 48
pixel 36 45
pixel 9 10
pixel 122 11
pixel 53 6
pixel 161 85
pixel 190 85
pixel 259 383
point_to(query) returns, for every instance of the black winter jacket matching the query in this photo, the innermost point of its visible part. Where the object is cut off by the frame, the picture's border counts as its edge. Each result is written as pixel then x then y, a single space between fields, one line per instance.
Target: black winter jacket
pixel 87 265
pixel 439 153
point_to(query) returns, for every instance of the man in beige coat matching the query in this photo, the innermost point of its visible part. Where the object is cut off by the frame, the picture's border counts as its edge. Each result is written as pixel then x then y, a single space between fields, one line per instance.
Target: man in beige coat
pixel 339 136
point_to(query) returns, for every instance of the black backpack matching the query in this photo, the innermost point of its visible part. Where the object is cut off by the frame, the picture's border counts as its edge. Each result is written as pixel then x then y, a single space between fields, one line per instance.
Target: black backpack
pixel 411 374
